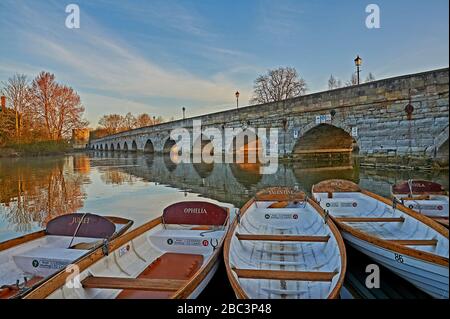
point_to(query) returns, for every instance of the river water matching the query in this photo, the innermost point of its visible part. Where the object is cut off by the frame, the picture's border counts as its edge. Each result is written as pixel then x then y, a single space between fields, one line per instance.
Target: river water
pixel 138 187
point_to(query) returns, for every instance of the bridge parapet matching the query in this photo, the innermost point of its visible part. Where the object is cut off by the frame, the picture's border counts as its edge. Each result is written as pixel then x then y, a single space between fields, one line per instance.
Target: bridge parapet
pixel 373 114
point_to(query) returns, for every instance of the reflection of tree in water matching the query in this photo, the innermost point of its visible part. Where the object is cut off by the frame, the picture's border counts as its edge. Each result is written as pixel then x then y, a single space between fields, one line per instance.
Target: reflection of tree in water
pixel 34 192
pixel 115 176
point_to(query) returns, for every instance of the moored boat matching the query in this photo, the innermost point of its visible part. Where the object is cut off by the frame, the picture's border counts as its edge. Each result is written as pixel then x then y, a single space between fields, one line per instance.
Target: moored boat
pixel 282 245
pixel 411 245
pixel 29 260
pixel 172 256
pixel 425 197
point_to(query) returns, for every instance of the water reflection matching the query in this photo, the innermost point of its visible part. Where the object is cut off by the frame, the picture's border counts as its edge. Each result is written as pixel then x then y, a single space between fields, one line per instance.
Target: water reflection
pixel 139 186
pixel 32 192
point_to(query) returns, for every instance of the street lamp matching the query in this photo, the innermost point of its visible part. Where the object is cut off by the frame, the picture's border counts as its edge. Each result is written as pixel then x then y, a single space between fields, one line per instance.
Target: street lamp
pixel 358 62
pixel 154 120
pixel 237 98
pixel 184 112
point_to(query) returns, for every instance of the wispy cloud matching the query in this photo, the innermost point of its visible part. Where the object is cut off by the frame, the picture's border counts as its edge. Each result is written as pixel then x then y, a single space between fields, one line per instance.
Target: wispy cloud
pixel 94 58
pixel 279 19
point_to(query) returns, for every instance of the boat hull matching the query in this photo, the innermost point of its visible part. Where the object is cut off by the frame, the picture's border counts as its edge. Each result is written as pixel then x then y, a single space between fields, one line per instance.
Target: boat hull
pixel 202 285
pixel 428 277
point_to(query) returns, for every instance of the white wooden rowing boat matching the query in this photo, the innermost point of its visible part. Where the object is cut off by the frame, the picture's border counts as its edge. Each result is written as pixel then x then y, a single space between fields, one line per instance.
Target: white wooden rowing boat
pixel 28 260
pixel 283 246
pixel 173 256
pixel 409 244
pixel 425 197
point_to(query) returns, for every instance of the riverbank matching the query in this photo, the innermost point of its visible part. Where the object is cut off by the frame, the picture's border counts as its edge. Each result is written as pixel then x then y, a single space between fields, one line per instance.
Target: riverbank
pixel 43 148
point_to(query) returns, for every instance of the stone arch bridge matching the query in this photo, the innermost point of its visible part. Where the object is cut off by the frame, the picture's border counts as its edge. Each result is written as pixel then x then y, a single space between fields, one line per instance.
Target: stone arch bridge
pixel 371 118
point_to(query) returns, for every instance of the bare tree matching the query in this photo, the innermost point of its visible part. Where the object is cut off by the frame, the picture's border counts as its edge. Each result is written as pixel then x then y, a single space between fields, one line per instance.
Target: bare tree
pixel 17 91
pixel 112 123
pixel 352 81
pixel 158 120
pixel 370 77
pixel 143 120
pixel 67 112
pixel 58 107
pixel 277 85
pixel 334 83
pixel 129 121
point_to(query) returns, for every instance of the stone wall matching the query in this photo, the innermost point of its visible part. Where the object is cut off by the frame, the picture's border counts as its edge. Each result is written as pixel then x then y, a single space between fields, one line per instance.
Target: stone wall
pixel 374 112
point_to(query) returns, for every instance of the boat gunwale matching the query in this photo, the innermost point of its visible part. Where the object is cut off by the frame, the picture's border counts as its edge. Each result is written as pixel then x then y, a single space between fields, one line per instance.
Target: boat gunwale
pixel 13 242
pixel 204 270
pixel 239 291
pixel 386 244
pixel 57 280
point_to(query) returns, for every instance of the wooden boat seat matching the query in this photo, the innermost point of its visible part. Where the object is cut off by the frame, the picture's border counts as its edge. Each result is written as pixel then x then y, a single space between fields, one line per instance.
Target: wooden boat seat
pixel 370 219
pixel 281 204
pixel 284 291
pixel 169 266
pixel 202 227
pixel 87 246
pixel 284 275
pixel 283 238
pixel 133 283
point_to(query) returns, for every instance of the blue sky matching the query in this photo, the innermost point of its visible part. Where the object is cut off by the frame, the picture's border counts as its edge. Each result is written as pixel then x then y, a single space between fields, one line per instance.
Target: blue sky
pixel 157 56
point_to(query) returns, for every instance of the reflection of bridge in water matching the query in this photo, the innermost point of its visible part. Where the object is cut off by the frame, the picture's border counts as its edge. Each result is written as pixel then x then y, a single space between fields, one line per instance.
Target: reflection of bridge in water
pixel 236 183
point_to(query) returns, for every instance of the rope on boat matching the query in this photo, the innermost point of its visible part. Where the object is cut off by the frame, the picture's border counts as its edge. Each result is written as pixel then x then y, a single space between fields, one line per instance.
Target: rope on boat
pixel 410 187
pixel 326 216
pixel 76 230
pixel 213 230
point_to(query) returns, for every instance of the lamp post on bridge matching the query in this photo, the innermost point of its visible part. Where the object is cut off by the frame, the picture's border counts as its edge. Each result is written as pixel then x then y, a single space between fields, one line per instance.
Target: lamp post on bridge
pixel 237 99
pixel 184 112
pixel 358 62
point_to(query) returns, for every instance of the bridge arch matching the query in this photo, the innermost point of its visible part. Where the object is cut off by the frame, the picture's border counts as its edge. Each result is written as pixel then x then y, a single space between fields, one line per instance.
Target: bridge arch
pixel 125 147
pixel 325 138
pixel 148 147
pixel 106 147
pixel 169 146
pixel 134 146
pixel 112 146
pixel 442 152
pixel 246 144
pixel 101 147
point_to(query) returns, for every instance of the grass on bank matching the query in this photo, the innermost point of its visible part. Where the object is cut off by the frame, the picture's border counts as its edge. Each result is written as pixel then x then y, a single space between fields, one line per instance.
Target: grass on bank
pixel 40 148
